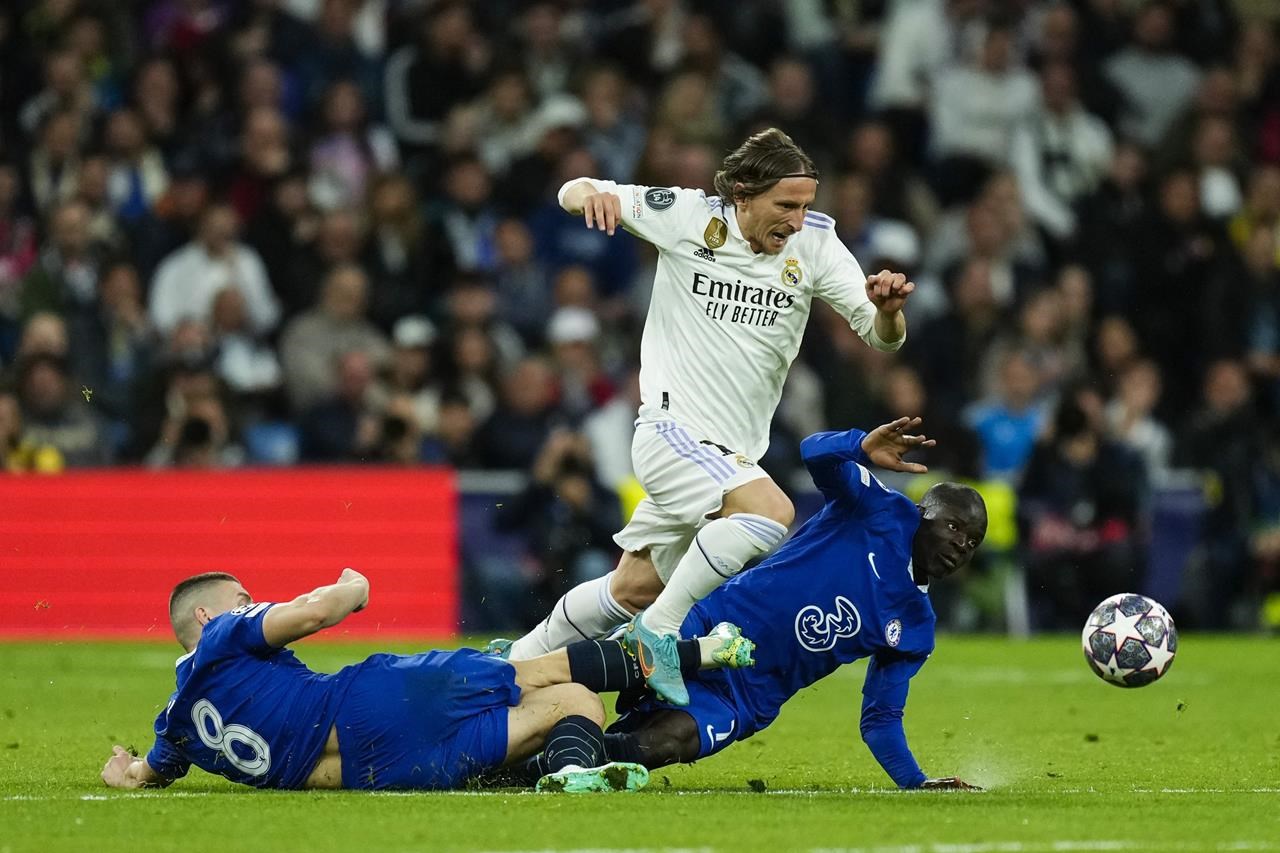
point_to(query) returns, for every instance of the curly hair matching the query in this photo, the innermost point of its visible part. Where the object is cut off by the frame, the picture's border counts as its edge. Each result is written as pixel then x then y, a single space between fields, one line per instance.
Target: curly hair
pixel 764 159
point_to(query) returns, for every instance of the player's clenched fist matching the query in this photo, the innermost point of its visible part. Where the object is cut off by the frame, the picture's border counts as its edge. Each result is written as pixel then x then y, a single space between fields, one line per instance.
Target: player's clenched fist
pixel 603 211
pixel 888 291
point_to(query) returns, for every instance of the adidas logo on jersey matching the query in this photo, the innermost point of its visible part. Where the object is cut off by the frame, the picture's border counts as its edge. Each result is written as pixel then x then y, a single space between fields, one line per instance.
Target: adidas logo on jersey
pixel 705 254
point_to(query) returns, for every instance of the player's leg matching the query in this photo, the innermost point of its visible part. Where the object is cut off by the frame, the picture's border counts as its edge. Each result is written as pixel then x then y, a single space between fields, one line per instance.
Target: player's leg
pixel 636 582
pixel 592 609
pixel 565 721
pixel 531 722
pixel 752 521
pixel 605 666
pixel 667 736
pixel 654 734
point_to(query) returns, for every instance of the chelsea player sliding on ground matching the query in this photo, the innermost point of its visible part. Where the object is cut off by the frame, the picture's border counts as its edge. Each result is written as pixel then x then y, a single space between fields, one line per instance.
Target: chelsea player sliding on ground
pixel 247 709
pixel 852 583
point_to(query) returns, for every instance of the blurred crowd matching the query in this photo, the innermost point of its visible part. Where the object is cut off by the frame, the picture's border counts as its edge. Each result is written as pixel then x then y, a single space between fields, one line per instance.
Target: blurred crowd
pixel 272 232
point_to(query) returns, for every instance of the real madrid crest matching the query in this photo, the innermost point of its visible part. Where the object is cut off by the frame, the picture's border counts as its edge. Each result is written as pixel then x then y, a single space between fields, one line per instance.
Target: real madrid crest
pixel 791 275
pixel 717 232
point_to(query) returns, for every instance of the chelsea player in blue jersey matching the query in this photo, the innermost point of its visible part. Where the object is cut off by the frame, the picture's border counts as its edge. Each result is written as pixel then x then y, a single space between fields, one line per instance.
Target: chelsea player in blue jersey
pixel 247 709
pixel 852 583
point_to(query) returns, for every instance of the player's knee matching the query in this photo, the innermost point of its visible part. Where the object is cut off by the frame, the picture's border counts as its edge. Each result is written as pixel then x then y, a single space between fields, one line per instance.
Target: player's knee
pixel 761 497
pixel 676 748
pixel 672 741
pixel 576 700
pixel 635 584
pixel 780 508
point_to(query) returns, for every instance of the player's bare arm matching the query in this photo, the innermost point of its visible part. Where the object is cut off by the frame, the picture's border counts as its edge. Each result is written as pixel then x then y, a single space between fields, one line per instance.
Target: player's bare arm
pixel 123 770
pixel 600 210
pixel 888 291
pixel 321 608
pixel 886 444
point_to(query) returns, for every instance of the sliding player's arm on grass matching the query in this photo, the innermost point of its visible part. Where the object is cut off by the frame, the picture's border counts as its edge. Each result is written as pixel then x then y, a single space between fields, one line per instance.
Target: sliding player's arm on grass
pixel 884 697
pixel 834 458
pixel 123 770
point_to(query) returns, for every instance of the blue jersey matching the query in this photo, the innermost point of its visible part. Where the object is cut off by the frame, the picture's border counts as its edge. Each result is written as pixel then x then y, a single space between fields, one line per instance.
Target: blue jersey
pixel 245 709
pixel 841 589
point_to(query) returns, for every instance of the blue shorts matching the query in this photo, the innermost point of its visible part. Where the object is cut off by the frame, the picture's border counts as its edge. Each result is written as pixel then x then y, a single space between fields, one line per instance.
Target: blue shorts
pixel 426 721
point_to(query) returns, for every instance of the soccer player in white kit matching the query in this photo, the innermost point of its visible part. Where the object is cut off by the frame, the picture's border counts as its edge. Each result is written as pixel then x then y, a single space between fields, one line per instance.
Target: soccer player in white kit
pixel 737 273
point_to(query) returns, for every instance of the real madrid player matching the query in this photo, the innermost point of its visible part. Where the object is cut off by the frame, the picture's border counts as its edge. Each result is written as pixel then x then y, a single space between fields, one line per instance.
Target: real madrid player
pixel 852 583
pixel 737 273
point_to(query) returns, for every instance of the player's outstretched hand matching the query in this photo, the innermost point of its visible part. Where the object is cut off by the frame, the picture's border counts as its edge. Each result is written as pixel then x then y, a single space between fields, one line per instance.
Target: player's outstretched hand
pixel 888 291
pixel 949 783
pixel 603 211
pixel 886 444
pixel 113 773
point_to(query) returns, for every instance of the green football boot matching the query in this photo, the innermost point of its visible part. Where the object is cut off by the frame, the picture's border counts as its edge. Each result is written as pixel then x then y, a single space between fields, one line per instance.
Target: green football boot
pixel 614 776
pixel 734 651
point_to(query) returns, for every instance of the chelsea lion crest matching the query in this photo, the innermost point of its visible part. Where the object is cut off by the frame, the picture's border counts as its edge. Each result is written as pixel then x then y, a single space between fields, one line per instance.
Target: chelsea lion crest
pixel 893 632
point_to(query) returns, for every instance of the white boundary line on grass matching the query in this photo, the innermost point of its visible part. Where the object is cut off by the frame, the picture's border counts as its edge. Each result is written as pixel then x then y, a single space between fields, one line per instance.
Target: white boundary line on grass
pixel 1076 846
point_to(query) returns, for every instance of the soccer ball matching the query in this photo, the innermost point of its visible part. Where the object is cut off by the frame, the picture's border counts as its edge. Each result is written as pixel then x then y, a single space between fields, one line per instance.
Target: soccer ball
pixel 1129 640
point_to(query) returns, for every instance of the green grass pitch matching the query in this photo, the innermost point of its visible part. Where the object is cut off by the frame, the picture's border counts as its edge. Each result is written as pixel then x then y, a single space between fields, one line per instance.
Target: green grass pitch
pixel 1070 763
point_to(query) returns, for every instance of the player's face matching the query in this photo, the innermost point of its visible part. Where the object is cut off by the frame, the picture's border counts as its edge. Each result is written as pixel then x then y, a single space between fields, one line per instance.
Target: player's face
pixel 767 220
pixel 945 542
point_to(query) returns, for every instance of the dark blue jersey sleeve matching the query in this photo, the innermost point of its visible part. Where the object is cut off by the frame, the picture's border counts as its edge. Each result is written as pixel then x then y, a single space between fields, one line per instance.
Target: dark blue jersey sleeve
pixel 884 696
pixel 239 631
pixel 837 464
pixel 166 760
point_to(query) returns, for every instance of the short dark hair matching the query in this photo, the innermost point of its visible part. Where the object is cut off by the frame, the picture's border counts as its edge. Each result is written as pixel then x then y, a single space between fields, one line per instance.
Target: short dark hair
pixel 957 496
pixel 764 159
pixel 181 601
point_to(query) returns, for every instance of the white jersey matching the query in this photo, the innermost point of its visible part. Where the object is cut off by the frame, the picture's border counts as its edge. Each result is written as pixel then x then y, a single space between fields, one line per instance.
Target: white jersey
pixel 725 322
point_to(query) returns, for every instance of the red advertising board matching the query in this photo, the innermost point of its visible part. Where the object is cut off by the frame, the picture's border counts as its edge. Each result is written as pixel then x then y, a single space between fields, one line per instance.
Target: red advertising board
pixel 94 554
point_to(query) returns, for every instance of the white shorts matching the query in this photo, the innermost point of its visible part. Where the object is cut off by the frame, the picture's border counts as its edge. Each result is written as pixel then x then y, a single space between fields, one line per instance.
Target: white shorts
pixel 685 479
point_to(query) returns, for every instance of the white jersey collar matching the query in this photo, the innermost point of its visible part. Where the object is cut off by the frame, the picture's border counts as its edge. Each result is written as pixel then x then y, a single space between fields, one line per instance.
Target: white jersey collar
pixel 731 218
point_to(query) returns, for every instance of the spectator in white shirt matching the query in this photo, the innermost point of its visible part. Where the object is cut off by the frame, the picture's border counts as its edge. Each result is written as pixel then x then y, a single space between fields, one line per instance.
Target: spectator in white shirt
pixel 920 40
pixel 187 280
pixel 975 110
pixel 1061 155
pixel 1157 83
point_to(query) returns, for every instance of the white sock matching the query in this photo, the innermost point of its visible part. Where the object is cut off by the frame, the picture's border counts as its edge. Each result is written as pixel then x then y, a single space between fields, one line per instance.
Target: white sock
pixel 718 552
pixel 586 612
